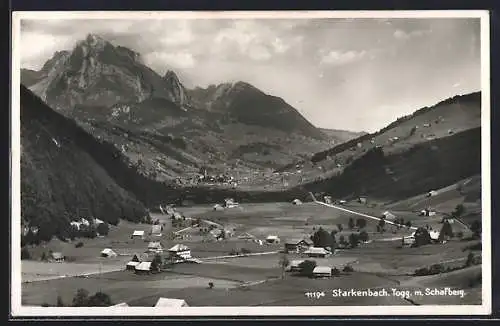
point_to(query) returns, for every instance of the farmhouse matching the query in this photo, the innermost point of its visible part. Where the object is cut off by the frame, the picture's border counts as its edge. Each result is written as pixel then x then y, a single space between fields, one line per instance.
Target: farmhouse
pixel 97 221
pixel 328 199
pixel 57 257
pixel 427 212
pixel 177 216
pixel 218 207
pixel 156 230
pixel 408 241
pixel 174 303
pixel 230 203
pixel 107 252
pixel 155 246
pixel 388 216
pixel 434 235
pixel 296 202
pixel 138 234
pixel 181 251
pixel 431 193
pixel 79 223
pixel 272 239
pixel 317 252
pixel 362 199
pixel 143 267
pixel 135 261
pixel 246 236
pixel 322 271
pixel 297 245
pixel 294 265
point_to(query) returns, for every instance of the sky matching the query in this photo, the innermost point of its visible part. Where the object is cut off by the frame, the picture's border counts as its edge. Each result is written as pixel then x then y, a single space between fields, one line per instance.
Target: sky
pixel 352 74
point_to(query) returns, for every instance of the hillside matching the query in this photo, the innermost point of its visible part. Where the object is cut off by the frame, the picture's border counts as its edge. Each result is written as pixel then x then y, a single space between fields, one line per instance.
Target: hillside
pixel 430 123
pixel 59 175
pixel 166 129
pixel 397 175
pixel 341 136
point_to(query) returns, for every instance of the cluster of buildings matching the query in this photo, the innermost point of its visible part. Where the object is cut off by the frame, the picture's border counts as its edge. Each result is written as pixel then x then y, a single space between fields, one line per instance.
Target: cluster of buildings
pixel 145 262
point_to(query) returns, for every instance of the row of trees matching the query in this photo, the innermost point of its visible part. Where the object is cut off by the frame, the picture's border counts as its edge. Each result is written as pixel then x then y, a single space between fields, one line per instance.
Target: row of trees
pixel 321 238
pixel 71 232
pixel 82 299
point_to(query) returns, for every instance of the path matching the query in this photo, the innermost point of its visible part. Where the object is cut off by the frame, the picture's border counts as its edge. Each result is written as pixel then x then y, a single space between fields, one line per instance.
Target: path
pixel 355 213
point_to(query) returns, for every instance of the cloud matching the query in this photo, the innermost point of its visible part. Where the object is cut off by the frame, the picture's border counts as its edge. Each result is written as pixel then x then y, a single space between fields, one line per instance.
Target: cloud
pixel 402 35
pixel 323 65
pixel 181 59
pixel 339 58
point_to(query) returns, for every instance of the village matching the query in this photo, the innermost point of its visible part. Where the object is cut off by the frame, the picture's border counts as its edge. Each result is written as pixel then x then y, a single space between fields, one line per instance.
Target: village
pixel 231 247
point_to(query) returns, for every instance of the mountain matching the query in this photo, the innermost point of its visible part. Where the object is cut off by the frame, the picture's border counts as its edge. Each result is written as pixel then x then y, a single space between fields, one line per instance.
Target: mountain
pixel 98 73
pixel 170 130
pixel 431 148
pixel 341 136
pixel 248 105
pixel 62 171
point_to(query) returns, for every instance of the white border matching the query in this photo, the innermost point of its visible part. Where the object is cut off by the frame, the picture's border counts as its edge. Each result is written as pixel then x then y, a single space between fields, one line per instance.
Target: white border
pixel 19 311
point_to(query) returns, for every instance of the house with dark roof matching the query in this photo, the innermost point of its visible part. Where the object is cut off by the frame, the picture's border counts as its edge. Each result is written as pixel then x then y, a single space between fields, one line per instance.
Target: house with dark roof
pixel 297 245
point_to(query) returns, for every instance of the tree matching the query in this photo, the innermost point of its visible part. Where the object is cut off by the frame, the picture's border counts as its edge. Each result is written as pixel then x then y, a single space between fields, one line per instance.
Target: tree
pixel 381 224
pixel 470 259
pixel 339 226
pixel 408 224
pixel 459 211
pixel 353 240
pixel 475 227
pixel 335 271
pixel 361 223
pixel 342 239
pixel 283 263
pixel 422 237
pixel 363 236
pixel 446 231
pixel 99 299
pixel 60 302
pixel 103 229
pixel 81 298
pixel 44 256
pixel 156 263
pixel 25 254
pixel 322 238
pixel 306 268
pixel 351 223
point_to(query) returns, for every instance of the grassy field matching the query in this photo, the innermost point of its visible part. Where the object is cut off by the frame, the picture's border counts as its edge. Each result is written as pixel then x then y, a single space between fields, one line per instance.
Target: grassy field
pixel 381 263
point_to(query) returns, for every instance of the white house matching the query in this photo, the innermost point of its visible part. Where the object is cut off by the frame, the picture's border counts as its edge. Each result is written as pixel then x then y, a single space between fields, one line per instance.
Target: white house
pixel 156 230
pixel 180 250
pixel 388 215
pixel 174 303
pixel 272 239
pixel 431 193
pixel 322 271
pixel 294 265
pixel 317 252
pixel 155 246
pixel 434 235
pixel 138 234
pixel 107 252
pixel 296 202
pixel 328 199
pixel 230 203
pixel 97 221
pixel 218 207
pixel 427 212
pixel 143 267
pixel 408 241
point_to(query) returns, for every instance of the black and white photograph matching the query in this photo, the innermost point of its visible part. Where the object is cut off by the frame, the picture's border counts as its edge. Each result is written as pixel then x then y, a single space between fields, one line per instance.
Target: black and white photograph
pixel 250 163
